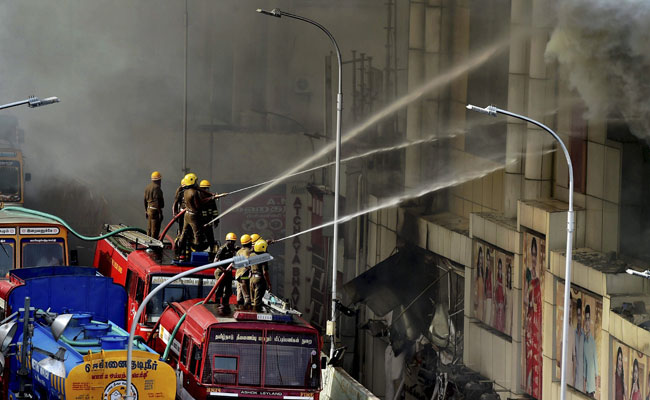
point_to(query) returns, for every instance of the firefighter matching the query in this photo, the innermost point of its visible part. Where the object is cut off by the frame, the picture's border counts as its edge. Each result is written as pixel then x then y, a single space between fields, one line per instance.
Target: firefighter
pixel 208 213
pixel 192 218
pixel 260 281
pixel 154 204
pixel 224 290
pixel 179 202
pixel 243 275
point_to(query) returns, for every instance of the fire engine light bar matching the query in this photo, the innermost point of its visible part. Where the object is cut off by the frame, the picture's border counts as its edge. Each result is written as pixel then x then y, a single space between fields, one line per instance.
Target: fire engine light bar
pixel 252 316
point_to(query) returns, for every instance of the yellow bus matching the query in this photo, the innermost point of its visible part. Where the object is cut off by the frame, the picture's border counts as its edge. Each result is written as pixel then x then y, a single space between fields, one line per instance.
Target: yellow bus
pixel 12 178
pixel 31 241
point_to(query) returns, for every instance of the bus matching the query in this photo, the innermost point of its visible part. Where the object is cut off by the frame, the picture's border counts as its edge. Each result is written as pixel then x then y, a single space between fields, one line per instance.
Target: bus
pixel 12 177
pixel 31 241
pixel 140 263
pixel 270 355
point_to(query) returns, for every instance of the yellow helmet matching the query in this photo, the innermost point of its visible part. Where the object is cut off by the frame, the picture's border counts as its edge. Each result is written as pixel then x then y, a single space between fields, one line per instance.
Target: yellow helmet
pixel 245 238
pixel 204 183
pixel 231 236
pixel 260 246
pixel 255 237
pixel 156 176
pixel 190 179
pixel 183 182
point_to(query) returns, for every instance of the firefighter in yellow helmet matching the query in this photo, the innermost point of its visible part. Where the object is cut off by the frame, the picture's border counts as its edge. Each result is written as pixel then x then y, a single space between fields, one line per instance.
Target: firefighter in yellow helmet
pixel 208 213
pixel 242 276
pixel 154 204
pixel 224 290
pixel 260 281
pixel 192 219
pixel 179 204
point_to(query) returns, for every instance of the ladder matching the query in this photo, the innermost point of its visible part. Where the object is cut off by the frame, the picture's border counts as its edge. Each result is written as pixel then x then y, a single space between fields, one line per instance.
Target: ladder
pixel 135 237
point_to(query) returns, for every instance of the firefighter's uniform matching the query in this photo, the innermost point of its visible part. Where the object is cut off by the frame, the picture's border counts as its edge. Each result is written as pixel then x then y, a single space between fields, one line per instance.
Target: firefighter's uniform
pixel 179 204
pixel 243 275
pixel 260 281
pixel 224 290
pixel 208 213
pixel 192 219
pixel 154 204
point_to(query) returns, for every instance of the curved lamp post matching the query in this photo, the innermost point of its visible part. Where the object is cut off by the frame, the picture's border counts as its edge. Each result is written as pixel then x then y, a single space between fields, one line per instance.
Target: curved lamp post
pixel 493 111
pixel 276 12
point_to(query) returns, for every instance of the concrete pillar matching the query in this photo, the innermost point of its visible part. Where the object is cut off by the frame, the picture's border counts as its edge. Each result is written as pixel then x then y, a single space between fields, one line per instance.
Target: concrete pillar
pixel 538 167
pixel 517 88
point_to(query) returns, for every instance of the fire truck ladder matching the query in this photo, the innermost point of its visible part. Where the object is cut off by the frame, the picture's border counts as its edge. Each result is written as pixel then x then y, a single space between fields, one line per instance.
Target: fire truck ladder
pixel 136 237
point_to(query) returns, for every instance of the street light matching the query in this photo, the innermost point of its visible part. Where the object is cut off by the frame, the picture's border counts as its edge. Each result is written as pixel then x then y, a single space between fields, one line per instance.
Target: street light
pixel 337 171
pixel 493 111
pixel 32 102
pixel 238 261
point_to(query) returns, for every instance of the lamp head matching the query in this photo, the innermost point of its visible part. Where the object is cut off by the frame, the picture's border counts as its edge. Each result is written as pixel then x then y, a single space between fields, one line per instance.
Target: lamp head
pixel 59 324
pixel 274 13
pixel 489 110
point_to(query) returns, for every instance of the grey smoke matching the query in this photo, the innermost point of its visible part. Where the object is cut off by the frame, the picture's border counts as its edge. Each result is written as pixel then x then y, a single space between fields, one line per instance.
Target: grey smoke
pixel 604 48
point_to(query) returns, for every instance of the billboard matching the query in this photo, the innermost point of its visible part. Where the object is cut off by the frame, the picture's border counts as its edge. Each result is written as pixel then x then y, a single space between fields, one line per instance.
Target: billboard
pixel 585 336
pixel 532 288
pixel 630 378
pixel 492 285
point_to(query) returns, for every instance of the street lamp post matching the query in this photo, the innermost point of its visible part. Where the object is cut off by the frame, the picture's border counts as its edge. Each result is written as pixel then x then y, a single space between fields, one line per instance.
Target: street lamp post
pixel 337 171
pixel 32 102
pixel 238 261
pixel 493 111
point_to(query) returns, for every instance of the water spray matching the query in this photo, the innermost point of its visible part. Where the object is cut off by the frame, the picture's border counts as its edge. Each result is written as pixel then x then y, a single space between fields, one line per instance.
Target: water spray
pixel 435 83
pixel 408 195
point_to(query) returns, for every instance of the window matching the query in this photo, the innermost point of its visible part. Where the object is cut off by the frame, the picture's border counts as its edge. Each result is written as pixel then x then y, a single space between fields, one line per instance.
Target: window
pixel 195 362
pixel 42 252
pixel 6 256
pixel 185 350
pixel 139 291
pixel 183 289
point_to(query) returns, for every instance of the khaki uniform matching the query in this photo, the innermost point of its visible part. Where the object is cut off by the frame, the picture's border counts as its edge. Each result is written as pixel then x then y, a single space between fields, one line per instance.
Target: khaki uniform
pixel 259 284
pixel 208 213
pixel 224 290
pixel 192 220
pixel 153 206
pixel 242 276
pixel 179 203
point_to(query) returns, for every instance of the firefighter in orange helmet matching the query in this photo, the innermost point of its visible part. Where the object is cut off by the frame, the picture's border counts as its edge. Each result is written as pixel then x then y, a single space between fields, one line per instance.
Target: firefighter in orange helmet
pixel 154 204
pixel 260 281
pixel 208 213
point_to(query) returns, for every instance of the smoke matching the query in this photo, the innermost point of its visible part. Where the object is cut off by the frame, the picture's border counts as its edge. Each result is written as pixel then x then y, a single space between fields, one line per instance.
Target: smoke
pixel 604 48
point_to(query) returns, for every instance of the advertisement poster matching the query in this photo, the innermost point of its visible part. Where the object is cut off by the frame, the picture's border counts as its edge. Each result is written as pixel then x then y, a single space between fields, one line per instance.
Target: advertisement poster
pixel 493 287
pixel 103 376
pixel 584 338
pixel 630 373
pixel 533 287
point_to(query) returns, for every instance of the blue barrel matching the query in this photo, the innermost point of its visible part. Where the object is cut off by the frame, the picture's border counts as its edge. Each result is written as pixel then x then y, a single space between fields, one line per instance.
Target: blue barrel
pixel 96 330
pixel 114 342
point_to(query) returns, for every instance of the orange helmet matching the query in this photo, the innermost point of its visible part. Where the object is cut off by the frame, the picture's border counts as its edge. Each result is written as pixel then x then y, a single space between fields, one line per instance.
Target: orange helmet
pixel 231 236
pixel 245 239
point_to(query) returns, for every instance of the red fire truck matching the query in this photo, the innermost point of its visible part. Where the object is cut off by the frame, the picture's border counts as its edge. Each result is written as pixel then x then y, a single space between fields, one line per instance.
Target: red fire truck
pixel 270 355
pixel 141 263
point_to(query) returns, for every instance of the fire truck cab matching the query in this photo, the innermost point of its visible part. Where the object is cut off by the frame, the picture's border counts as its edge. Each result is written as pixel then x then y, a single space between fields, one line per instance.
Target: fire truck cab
pixel 270 355
pixel 140 263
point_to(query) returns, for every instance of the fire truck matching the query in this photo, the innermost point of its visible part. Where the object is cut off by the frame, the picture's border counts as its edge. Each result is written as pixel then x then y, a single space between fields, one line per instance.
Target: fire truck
pixel 269 355
pixel 62 338
pixel 141 263
pixel 30 241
